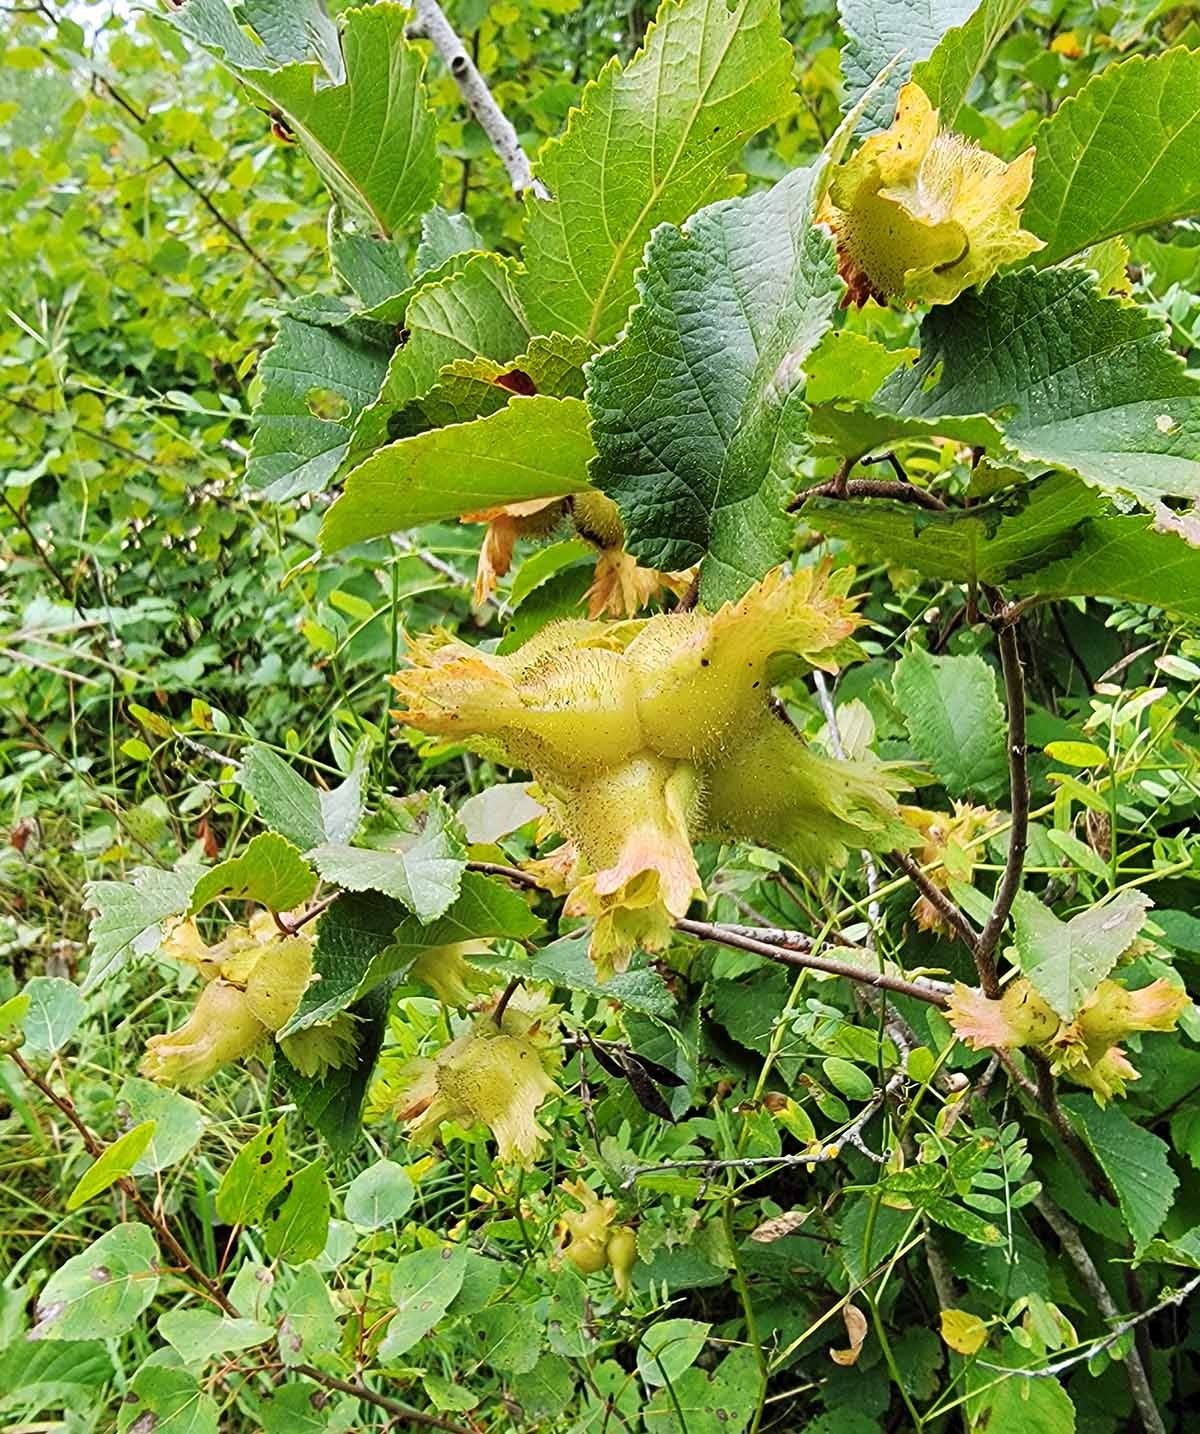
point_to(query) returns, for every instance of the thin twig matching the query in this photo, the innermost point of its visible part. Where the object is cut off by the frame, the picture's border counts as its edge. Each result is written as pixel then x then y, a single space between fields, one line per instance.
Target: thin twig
pixel 1076 1251
pixel 1018 776
pixel 431 23
pixel 870 488
pixel 947 908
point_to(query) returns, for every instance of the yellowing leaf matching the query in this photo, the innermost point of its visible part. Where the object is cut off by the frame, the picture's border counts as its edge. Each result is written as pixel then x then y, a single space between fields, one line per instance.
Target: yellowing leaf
pixel 964 1332
pixel 1077 754
pixel 114 1164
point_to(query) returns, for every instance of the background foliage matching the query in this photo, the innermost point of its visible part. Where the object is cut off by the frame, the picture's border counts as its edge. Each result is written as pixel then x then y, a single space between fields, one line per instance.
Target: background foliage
pixel 176 645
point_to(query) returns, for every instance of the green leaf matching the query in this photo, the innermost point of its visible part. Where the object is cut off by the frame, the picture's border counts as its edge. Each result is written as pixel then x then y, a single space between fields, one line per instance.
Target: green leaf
pixel 114 1164
pixel 1012 536
pixel 698 411
pixel 178 1122
pixel 316 379
pixel 309 1325
pixel 951 69
pixel 53 1016
pixel 509 1341
pixel 332 1103
pixel 258 1173
pixel 379 1195
pixel 856 428
pixel 365 940
pixel 129 915
pixel 1076 380
pixel 411 850
pixel 304 814
pixel 648 144
pixel 1118 156
pixel 1066 960
pixel 376 269
pixel 199 1335
pixel 701 1403
pixel 852 1081
pixel 533 448
pixel 471 312
pixel 296 1226
pixel 1125 558
pixel 565 964
pixel 955 720
pixel 39 1376
pixel 370 133
pixel 443 235
pixel 167 1401
pixel 847 364
pixel 100 1293
pixel 1135 1161
pixel 877 31
pixel 423 1285
pixel 669 1347
pixel 270 873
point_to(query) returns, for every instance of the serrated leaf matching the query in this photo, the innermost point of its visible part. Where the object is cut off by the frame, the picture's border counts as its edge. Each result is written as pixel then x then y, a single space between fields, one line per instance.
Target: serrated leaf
pixel 99 1293
pixel 198 1335
pixel 303 814
pixel 955 720
pixel 1075 380
pixel 258 1172
pixel 698 412
pixel 877 31
pixel 534 447
pixel 1126 557
pixel 296 1224
pixel 114 1164
pixel 471 312
pixel 129 915
pixel 951 69
pixel 167 1401
pixel 1120 155
pixel 315 379
pixel 1135 1161
pixel 370 133
pixel 1012 536
pixel 722 1402
pixel 364 940
pixel 565 964
pixel 270 873
pixel 412 850
pixel 1066 960
pixel 649 144
pixel 668 1347
pixel 423 1286
pixel 332 1103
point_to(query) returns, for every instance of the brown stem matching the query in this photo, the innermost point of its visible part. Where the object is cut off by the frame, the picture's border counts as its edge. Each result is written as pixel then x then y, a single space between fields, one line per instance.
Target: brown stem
pixel 1076 1251
pixel 1018 778
pixel 870 488
pixel 948 909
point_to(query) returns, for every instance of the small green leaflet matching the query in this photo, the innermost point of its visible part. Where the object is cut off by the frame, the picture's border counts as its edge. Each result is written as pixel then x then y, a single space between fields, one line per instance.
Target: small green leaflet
pixel 877 31
pixel 296 1225
pixel 535 447
pixel 270 872
pixel 955 720
pixel 258 1172
pixel 1135 1160
pixel 166 1400
pixel 669 1347
pixel 1066 960
pixel 1120 155
pixel 423 1285
pixel 564 964
pixel 370 132
pixel 648 144
pixel 412 850
pixel 55 1010
pixel 1075 380
pixel 100 1293
pixel 379 1195
pixel 698 412
pixel 198 1335
pixel 114 1164
pixel 129 915
pixel 309 1325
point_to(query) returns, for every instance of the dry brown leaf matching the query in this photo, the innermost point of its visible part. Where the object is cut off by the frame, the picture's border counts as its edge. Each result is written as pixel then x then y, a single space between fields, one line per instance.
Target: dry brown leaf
pixel 856 1333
